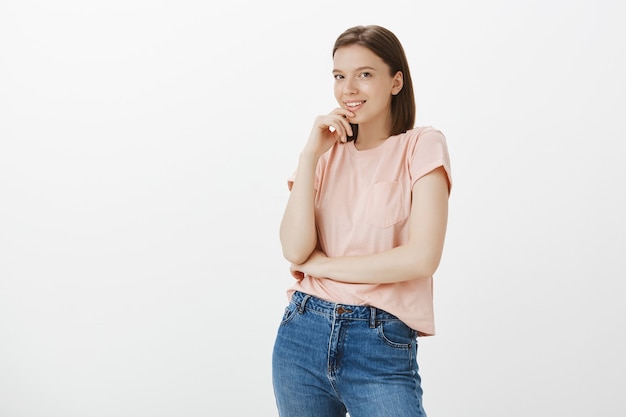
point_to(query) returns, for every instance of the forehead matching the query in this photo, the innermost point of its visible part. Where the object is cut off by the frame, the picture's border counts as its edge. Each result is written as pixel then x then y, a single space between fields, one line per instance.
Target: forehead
pixel 352 57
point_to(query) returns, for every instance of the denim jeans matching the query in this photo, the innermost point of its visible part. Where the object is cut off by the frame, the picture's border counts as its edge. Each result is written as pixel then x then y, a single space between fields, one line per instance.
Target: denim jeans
pixel 331 359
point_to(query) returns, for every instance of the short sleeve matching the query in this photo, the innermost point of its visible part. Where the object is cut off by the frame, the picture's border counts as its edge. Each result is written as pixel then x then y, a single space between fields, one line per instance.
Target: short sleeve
pixel 429 153
pixel 318 170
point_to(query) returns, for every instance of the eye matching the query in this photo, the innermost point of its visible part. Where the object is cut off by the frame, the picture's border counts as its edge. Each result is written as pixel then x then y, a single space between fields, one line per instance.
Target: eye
pixel 365 74
pixel 338 77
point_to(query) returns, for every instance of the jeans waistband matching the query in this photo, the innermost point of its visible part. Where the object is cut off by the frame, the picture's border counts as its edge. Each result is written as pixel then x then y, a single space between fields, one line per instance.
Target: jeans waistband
pixel 341 311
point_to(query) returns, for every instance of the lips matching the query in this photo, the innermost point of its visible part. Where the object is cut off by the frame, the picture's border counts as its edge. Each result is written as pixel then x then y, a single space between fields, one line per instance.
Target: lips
pixel 353 105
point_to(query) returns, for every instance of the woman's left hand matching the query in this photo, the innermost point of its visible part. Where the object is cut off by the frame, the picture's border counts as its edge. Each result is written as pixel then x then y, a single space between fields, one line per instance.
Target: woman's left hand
pixel 296 273
pixel 310 267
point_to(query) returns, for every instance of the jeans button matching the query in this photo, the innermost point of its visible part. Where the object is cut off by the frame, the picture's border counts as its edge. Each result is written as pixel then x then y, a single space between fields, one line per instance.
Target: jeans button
pixel 341 310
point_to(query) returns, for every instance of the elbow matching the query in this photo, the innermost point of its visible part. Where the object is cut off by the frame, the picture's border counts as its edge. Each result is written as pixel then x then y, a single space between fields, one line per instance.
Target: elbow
pixel 424 267
pixel 295 256
pixel 296 247
pixel 430 270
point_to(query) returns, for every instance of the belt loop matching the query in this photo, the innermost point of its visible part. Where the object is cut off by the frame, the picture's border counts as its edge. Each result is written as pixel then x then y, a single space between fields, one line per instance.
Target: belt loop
pixel 303 303
pixel 372 317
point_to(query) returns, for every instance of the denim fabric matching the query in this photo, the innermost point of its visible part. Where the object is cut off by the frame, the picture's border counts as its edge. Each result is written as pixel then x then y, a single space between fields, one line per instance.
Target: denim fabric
pixel 331 359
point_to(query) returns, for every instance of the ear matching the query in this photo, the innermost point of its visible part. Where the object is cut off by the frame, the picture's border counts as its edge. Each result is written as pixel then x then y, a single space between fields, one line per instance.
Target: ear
pixel 398 83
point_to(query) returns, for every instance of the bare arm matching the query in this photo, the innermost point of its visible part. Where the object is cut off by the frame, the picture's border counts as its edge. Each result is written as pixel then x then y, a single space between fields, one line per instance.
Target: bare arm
pixel 298 233
pixel 418 258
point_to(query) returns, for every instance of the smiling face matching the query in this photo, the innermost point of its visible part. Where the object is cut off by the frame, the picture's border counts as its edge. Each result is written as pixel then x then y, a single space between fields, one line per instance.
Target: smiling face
pixel 364 85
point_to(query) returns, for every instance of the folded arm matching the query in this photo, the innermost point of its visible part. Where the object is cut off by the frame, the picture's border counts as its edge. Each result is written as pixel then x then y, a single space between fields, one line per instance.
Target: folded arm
pixel 418 258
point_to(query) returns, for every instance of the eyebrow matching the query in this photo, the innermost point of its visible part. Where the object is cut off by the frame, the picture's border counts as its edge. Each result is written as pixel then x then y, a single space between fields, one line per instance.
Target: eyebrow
pixel 367 67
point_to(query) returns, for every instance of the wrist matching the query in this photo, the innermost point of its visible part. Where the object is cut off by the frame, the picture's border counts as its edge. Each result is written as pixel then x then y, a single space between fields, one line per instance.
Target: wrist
pixel 322 264
pixel 308 156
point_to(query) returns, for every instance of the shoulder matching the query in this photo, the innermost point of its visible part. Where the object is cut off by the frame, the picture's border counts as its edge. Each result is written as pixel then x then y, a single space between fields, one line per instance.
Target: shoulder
pixel 423 133
pixel 426 150
pixel 423 137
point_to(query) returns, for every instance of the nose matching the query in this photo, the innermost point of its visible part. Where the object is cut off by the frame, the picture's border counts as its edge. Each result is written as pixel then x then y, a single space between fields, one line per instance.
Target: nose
pixel 349 86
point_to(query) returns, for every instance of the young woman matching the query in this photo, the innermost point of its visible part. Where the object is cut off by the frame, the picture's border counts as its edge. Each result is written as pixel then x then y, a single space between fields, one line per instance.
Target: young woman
pixel 364 230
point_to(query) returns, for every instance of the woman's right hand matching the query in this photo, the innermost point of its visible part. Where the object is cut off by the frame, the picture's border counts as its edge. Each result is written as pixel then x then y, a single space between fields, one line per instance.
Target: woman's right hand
pixel 328 129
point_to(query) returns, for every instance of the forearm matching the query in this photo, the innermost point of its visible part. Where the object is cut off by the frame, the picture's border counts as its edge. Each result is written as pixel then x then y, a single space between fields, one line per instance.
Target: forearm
pixel 298 234
pixel 402 263
pixel 419 257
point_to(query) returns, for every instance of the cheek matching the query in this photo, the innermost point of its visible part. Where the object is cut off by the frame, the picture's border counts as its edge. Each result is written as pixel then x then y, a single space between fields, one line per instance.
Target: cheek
pixel 338 94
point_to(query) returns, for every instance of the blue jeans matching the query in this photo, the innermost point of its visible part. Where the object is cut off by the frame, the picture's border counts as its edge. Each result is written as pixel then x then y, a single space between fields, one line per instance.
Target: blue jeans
pixel 331 359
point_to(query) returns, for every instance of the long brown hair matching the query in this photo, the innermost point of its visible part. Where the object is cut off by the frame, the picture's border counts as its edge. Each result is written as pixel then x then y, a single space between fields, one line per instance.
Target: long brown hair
pixel 386 45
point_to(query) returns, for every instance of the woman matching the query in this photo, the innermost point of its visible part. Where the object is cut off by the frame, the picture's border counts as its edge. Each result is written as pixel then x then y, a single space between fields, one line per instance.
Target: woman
pixel 364 230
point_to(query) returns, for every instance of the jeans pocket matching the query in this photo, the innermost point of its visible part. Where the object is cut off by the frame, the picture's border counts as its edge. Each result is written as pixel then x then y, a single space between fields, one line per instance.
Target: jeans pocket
pixel 289 313
pixel 396 334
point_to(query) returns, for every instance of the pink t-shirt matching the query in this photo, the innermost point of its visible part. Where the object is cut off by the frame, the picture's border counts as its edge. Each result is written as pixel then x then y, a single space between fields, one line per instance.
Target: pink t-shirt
pixel 362 207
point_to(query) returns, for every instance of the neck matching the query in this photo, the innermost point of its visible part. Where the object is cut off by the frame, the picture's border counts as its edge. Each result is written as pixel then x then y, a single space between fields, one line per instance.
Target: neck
pixel 371 136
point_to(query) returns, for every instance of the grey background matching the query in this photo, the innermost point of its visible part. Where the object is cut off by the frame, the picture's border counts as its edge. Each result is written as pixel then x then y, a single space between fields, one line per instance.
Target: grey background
pixel 144 151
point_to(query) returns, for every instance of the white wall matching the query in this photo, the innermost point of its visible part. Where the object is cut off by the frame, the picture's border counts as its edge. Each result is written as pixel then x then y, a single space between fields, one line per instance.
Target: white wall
pixel 144 149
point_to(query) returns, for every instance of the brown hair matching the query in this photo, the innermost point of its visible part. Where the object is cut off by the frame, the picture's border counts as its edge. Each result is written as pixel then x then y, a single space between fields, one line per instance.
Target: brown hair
pixel 386 45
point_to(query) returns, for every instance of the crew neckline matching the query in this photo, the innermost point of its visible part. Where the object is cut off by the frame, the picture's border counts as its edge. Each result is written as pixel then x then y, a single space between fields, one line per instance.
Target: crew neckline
pixel 368 152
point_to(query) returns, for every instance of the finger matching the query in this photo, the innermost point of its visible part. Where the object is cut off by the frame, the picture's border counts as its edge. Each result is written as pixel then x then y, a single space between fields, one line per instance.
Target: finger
pixel 343 126
pixel 345 120
pixel 340 111
pixel 297 275
pixel 338 129
pixel 331 122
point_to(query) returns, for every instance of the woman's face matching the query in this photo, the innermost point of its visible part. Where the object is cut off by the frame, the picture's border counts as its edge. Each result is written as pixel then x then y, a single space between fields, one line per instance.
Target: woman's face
pixel 363 84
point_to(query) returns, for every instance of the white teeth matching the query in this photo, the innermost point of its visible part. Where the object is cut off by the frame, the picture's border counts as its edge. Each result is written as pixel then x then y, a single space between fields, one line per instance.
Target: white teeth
pixel 357 103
